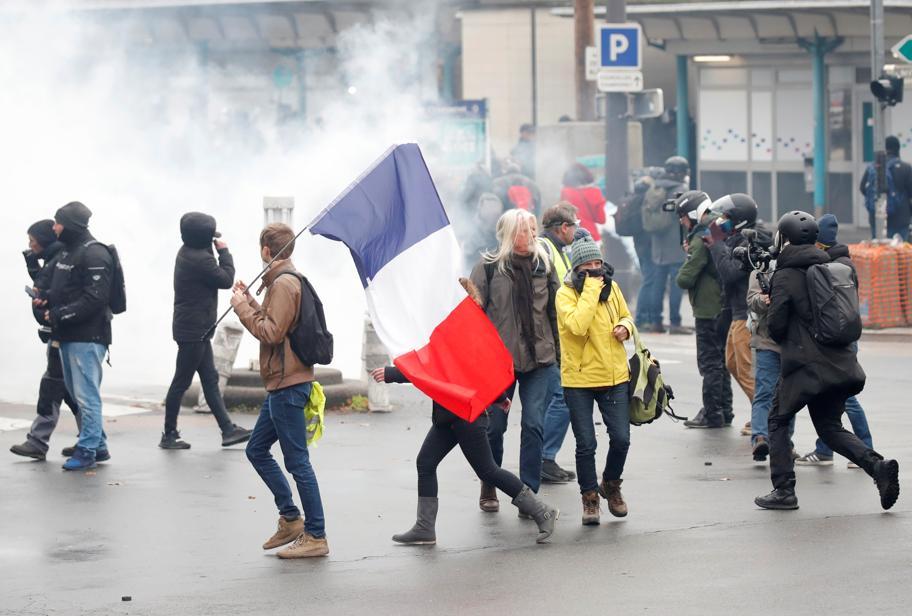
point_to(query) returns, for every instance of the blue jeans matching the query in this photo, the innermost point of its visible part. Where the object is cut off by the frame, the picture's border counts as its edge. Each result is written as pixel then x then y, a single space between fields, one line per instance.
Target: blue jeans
pixel 665 276
pixel 557 418
pixel 282 419
pixel 535 393
pixel 612 403
pixel 859 423
pixel 646 311
pixel 81 363
pixel 766 379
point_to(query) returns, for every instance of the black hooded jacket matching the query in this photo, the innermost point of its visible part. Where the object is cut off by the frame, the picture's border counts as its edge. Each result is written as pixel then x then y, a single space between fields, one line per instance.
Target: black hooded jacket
pixel 808 368
pixel 42 278
pixel 80 290
pixel 733 274
pixel 197 278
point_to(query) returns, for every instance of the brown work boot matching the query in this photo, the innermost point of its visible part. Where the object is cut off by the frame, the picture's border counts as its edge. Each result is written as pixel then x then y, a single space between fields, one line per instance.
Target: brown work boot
pixel 305 546
pixel 488 500
pixel 591 508
pixel 285 533
pixel 611 491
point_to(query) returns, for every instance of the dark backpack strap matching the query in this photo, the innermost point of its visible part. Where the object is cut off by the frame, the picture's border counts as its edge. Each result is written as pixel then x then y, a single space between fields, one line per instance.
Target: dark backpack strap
pixel 489 275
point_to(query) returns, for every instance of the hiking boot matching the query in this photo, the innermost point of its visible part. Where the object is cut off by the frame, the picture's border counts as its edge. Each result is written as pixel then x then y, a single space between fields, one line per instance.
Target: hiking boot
pixel 487 501
pixel 305 546
pixel 780 498
pixel 680 330
pixel 746 430
pixel 814 459
pixel 28 449
pixel 172 440
pixel 611 492
pixel 81 460
pixel 552 473
pixel 422 533
pixel 101 455
pixel 544 515
pixel 235 435
pixel 700 421
pixel 286 532
pixel 761 449
pixel 886 476
pixel 591 508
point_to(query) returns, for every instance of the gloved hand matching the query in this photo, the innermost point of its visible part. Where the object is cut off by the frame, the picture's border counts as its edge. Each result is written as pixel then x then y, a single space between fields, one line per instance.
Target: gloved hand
pixel 608 277
pixel 31 263
pixel 579 279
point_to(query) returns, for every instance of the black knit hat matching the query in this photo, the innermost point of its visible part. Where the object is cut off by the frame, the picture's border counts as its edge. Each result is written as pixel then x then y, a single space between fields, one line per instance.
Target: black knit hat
pixel 74 215
pixel 891 145
pixel 43 232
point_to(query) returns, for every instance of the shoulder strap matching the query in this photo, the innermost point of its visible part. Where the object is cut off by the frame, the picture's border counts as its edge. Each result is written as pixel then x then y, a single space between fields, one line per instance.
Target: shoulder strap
pixel 489 274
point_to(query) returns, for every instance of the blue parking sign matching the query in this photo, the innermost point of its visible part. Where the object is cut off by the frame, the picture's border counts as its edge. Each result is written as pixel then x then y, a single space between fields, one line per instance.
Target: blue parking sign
pixel 620 46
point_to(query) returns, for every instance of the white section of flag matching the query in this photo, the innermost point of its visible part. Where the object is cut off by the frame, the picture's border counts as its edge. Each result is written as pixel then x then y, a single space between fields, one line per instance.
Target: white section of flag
pixel 416 291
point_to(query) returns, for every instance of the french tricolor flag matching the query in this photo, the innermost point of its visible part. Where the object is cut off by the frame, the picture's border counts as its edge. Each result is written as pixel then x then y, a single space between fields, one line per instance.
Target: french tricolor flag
pixel 406 253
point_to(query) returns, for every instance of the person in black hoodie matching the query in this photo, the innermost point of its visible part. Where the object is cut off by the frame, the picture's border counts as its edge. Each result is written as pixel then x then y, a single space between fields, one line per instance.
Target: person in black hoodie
pixel 197 279
pixel 40 259
pixel 812 374
pixel 447 431
pixel 78 311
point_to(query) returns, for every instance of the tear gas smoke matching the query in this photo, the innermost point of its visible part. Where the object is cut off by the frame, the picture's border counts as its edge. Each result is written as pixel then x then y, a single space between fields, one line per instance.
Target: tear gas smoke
pixel 142 136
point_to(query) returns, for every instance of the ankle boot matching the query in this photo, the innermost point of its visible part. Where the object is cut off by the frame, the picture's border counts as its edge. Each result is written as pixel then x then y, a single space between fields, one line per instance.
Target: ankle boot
pixel 611 492
pixel 488 500
pixel 780 498
pixel 591 509
pixel 422 533
pixel 544 515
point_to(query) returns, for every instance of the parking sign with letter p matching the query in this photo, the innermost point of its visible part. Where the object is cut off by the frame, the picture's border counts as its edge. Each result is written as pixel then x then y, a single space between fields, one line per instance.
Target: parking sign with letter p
pixel 620 46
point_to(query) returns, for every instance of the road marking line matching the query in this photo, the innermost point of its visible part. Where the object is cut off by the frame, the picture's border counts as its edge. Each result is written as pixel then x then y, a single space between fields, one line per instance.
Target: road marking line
pixel 7 424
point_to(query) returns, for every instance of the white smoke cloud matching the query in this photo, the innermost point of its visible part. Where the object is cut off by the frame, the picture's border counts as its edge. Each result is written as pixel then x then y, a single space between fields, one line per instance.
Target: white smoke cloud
pixel 88 117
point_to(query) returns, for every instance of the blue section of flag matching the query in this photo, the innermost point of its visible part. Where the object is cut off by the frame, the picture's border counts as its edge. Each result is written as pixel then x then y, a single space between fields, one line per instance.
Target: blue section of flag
pixel 393 206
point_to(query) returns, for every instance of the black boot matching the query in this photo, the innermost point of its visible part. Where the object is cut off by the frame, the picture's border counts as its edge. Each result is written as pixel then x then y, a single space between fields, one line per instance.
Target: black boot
pixel 886 476
pixel 235 435
pixel 29 450
pixel 761 449
pixel 172 440
pixel 552 473
pixel 780 498
pixel 703 420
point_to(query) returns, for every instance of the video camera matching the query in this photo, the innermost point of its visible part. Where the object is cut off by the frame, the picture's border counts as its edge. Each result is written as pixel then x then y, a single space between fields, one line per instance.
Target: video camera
pixel 755 257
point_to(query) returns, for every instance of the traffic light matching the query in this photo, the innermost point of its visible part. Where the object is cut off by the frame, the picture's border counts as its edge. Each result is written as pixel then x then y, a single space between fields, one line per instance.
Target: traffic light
pixel 888 90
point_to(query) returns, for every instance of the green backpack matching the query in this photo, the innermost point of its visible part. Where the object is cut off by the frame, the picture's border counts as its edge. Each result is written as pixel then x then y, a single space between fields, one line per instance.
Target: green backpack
pixel 649 395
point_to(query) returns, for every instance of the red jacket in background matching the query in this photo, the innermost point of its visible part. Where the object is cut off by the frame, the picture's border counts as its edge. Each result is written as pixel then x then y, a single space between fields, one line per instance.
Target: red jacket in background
pixel 590 205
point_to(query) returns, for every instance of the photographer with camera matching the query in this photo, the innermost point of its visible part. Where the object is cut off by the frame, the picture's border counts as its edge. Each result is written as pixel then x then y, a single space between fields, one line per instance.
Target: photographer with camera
pixel 820 369
pixel 735 212
pixel 698 275
pixel 40 258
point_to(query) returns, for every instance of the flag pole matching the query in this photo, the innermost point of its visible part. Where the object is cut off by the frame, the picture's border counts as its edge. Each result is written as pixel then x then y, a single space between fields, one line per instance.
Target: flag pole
pixel 258 276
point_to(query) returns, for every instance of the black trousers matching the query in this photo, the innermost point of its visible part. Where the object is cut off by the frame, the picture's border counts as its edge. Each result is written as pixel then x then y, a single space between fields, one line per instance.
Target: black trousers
pixel 472 439
pixel 717 396
pixel 192 358
pixel 826 412
pixel 51 393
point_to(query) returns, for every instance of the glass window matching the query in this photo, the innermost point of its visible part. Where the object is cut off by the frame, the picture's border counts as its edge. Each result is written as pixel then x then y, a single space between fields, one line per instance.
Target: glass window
pixel 762 77
pixel 723 77
pixel 840 125
pixel 719 183
pixel 762 192
pixel 839 197
pixel 791 193
pixel 791 75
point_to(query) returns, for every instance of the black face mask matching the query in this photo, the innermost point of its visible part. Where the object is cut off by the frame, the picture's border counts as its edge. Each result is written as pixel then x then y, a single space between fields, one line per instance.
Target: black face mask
pixel 606 272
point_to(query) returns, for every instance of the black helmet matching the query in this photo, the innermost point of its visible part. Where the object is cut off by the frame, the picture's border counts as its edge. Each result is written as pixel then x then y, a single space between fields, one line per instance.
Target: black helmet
pixel 677 166
pixel 798 228
pixel 741 209
pixel 689 204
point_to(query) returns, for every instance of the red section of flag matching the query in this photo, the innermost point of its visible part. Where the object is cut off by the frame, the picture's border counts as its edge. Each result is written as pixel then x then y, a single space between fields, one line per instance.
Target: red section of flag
pixel 465 366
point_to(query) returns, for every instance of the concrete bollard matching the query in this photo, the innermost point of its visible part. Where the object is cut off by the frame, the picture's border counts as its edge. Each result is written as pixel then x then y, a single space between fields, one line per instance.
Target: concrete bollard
pixel 225 345
pixel 374 355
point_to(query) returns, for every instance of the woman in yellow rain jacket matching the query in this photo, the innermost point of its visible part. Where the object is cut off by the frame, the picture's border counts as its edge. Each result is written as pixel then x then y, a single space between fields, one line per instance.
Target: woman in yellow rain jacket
pixel 593 322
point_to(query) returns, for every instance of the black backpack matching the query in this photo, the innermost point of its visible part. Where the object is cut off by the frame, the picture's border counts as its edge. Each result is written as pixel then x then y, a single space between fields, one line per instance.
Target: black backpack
pixel 628 219
pixel 835 318
pixel 310 339
pixel 117 301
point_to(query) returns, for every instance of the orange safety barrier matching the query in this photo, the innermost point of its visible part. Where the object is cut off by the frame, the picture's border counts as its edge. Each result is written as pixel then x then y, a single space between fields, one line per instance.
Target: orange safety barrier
pixel 884 284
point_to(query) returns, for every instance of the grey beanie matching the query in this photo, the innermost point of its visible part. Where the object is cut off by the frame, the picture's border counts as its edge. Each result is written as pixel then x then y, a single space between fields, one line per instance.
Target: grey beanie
pixel 583 251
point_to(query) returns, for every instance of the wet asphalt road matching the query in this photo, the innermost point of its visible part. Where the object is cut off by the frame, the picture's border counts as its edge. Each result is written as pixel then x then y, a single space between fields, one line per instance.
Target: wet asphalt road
pixel 180 532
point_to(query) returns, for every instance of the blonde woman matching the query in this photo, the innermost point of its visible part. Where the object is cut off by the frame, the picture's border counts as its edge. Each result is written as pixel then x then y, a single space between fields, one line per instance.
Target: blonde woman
pixel 517 285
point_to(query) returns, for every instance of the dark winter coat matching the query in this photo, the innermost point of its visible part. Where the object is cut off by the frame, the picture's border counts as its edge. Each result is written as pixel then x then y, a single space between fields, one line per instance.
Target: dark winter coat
pixel 664 227
pixel 698 275
pixel 197 279
pixel 41 279
pixel 80 290
pixel 734 277
pixel 808 369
